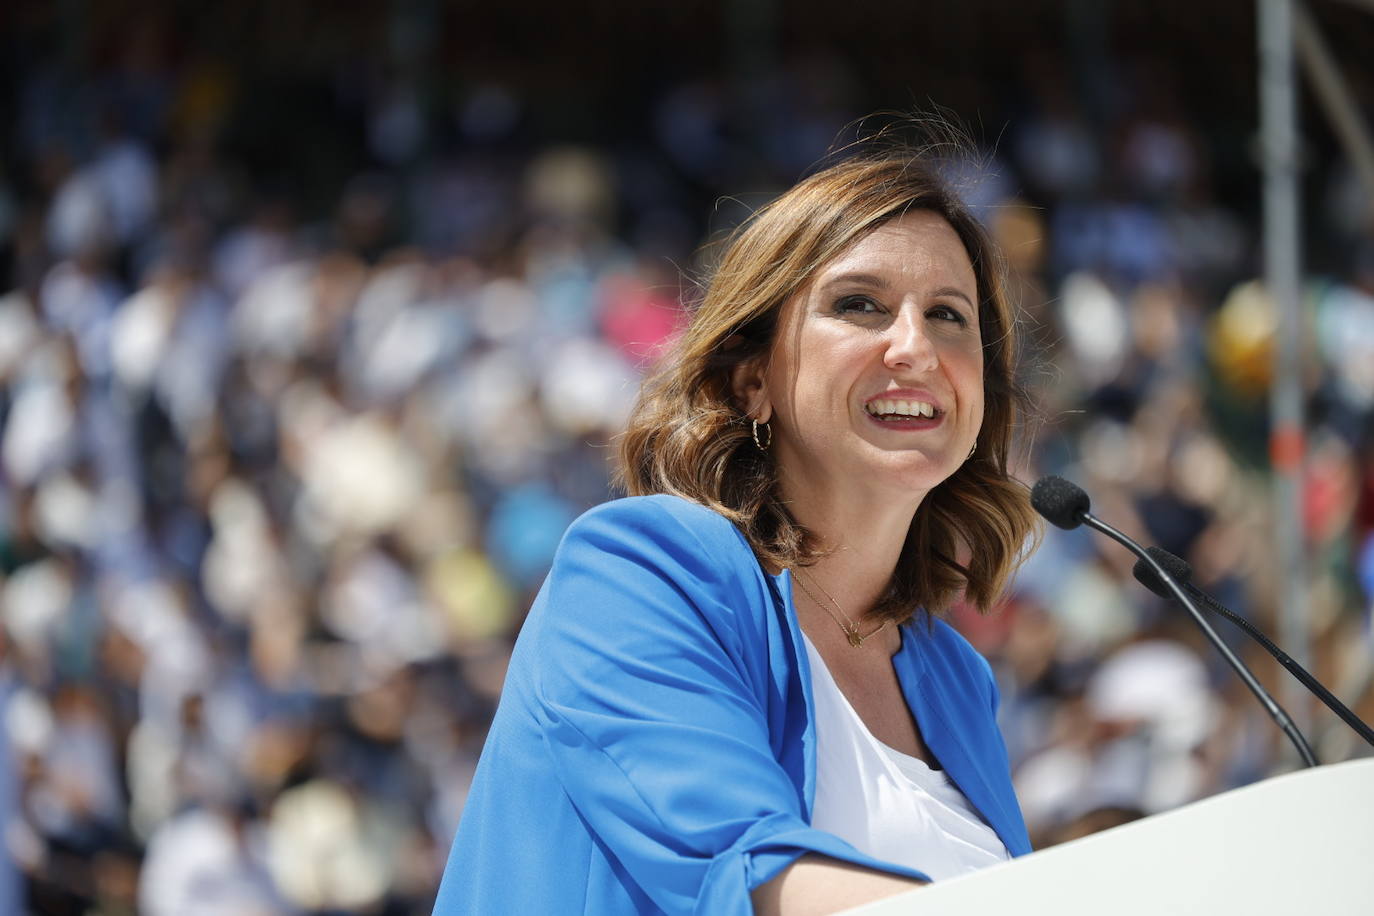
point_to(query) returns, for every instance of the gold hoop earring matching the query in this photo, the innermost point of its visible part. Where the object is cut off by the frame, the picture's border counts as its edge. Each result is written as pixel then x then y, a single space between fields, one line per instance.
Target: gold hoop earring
pixel 972 450
pixel 763 445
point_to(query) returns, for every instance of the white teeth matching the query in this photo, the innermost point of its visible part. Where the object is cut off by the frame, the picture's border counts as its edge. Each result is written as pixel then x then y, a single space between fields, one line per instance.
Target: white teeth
pixel 893 407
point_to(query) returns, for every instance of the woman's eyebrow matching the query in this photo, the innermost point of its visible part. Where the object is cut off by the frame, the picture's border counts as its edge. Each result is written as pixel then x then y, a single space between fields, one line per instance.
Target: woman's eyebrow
pixel 878 282
pixel 859 279
pixel 952 291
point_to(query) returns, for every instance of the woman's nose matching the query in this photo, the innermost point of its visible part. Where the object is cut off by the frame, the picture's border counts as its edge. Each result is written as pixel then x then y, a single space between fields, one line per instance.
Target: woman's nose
pixel 908 343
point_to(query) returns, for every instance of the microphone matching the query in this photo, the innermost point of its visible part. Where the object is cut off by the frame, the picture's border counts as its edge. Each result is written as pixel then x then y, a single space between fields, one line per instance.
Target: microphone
pixel 1062 503
pixel 1066 505
pixel 1182 573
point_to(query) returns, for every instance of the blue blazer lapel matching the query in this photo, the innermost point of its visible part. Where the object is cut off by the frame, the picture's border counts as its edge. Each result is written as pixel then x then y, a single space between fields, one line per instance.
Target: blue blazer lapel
pixel 958 726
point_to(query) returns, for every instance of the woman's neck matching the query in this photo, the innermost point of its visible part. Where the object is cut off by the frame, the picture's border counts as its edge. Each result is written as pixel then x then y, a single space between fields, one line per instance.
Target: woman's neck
pixel 861 543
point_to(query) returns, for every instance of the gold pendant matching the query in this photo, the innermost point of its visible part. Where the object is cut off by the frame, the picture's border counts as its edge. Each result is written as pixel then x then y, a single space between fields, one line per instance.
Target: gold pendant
pixel 855 639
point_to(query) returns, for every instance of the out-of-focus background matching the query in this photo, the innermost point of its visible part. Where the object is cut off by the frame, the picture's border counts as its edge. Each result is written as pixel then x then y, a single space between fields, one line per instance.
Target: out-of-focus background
pixel 316 320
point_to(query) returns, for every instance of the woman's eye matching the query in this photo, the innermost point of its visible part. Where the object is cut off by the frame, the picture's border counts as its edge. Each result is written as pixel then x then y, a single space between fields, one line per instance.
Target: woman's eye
pixel 857 304
pixel 948 313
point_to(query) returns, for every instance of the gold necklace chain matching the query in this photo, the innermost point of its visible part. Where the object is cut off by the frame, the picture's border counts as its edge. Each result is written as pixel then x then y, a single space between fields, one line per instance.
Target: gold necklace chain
pixel 850 628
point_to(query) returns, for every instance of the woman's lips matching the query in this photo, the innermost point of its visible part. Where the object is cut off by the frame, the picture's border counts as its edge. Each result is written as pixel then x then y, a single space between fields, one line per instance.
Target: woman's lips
pixel 905 423
pixel 904 409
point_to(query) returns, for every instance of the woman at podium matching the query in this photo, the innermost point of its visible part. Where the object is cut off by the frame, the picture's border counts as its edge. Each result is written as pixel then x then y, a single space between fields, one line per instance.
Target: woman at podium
pixel 735 692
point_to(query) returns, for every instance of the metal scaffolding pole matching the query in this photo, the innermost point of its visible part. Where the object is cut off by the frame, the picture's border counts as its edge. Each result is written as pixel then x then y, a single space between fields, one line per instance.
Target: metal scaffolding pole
pixel 1282 272
pixel 1334 95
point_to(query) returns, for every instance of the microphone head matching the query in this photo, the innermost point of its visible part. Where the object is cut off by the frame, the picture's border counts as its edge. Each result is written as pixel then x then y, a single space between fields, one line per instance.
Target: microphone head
pixel 1177 568
pixel 1060 502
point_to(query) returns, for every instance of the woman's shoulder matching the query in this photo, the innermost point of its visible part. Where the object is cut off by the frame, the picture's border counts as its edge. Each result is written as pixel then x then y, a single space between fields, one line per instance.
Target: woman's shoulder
pixel 661 518
pixel 668 534
pixel 630 565
pixel 670 538
pixel 658 505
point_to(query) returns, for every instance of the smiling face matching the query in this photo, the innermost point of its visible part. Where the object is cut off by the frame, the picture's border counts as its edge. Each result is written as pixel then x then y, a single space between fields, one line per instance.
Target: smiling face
pixel 874 382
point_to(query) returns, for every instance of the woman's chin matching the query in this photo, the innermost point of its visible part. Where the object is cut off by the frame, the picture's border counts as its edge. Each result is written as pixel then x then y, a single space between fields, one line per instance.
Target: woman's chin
pixel 908 480
pixel 913 468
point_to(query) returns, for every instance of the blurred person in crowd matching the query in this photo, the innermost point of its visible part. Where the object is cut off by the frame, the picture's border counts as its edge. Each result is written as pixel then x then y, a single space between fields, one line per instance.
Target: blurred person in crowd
pixel 690 733
pixel 209 860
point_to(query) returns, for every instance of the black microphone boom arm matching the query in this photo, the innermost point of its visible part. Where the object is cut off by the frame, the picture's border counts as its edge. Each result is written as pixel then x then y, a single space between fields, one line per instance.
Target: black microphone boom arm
pixel 1066 504
pixel 1181 572
pixel 1276 712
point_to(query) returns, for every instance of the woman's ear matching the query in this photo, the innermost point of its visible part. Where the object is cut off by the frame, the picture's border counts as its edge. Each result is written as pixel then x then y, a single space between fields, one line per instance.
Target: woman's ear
pixel 750 392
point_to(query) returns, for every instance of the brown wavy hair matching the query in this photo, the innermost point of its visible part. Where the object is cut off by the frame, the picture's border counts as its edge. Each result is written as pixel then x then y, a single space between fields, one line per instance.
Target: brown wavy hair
pixel 688 437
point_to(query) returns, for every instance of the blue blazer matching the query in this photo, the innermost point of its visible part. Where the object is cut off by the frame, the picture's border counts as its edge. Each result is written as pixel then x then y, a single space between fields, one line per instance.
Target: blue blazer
pixel 654 747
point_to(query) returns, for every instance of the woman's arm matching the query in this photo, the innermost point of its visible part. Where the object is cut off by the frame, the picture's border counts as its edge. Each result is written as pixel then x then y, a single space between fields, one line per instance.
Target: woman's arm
pixel 816 884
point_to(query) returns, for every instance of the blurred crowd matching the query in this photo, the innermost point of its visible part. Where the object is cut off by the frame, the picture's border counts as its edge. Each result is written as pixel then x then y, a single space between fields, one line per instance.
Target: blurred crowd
pixel 281 472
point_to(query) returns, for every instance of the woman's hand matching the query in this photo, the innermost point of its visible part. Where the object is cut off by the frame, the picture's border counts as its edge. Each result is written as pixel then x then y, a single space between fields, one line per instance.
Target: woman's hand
pixel 816 884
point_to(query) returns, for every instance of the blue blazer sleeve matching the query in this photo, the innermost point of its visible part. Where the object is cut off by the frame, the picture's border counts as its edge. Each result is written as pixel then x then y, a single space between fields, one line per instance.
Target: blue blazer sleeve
pixel 652 691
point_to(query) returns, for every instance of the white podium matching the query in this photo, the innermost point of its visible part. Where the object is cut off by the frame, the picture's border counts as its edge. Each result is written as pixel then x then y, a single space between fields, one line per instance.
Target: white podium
pixel 1301 843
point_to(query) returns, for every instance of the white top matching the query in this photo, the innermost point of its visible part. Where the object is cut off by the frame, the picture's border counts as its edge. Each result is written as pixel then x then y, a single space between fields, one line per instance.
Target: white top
pixel 888 804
